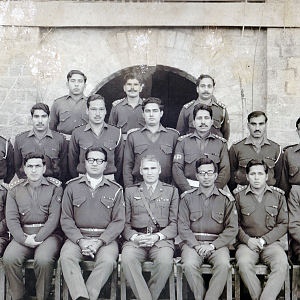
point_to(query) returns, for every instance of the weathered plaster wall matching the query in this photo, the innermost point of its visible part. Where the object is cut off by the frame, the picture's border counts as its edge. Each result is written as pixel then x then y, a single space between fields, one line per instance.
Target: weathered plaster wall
pixel 35 61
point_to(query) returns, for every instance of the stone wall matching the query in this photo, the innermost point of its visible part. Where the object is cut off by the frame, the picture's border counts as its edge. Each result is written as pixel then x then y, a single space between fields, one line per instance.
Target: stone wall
pixel 35 61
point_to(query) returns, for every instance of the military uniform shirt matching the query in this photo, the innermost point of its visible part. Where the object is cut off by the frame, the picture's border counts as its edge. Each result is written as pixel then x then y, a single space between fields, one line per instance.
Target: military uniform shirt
pixel 218 217
pixel 243 151
pixel 267 220
pixel 22 208
pixel 110 139
pixel 187 152
pixel 126 117
pixel 3 193
pixel 7 166
pixel 66 114
pixel 53 146
pixel 84 207
pixel 138 145
pixel 220 118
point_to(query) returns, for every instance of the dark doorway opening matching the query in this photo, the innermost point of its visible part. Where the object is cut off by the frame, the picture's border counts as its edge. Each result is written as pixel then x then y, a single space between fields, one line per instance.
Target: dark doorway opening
pixel 173 86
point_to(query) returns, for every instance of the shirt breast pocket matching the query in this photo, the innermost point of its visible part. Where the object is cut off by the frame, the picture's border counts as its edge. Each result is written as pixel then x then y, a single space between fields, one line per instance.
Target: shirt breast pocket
pixel 270 162
pixel 247 211
pixel 162 206
pixel 272 212
pixel 167 149
pixel 218 217
pixel 23 210
pixel 196 215
pixel 110 145
pixel 122 122
pixel 137 206
pixel 64 116
pixel 140 149
pixel 190 157
pixel 77 202
pixel 107 202
pixel 217 124
pixel 293 170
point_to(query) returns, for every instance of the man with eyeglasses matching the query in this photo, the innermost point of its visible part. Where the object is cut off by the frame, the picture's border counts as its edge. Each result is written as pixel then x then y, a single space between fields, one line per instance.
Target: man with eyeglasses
pixel 255 146
pixel 153 139
pixel 205 88
pixel 32 213
pixel 207 224
pixel 195 145
pixel 126 113
pixel 96 134
pixel 150 229
pixel 263 223
pixel 93 216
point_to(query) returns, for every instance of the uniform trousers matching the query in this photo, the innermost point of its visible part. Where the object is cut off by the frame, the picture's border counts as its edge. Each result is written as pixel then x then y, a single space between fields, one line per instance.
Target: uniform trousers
pixel 105 262
pixel 44 257
pixel 272 255
pixel 3 244
pixel 192 262
pixel 132 259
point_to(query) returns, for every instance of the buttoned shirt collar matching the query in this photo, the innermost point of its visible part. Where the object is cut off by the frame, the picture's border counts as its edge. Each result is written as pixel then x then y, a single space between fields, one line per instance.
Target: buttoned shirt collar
pixel 89 127
pixel 160 128
pixel 48 133
pixel 43 181
pixel 154 185
pixel 213 192
pixel 250 141
pixel 213 101
pixel 126 101
pixel 86 181
pixel 83 97
pixel 210 135
pixel 250 190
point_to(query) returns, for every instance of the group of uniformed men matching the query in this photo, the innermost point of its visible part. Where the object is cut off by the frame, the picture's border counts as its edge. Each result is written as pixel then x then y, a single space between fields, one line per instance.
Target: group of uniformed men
pixel 72 141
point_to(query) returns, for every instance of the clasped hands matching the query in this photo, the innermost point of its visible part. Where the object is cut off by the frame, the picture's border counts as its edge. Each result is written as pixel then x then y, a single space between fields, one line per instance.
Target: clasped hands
pixel 204 250
pixel 146 240
pixel 30 241
pixel 89 246
pixel 256 244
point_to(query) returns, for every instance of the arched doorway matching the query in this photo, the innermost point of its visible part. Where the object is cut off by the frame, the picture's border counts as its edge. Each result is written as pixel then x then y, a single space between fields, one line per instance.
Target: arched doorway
pixel 175 87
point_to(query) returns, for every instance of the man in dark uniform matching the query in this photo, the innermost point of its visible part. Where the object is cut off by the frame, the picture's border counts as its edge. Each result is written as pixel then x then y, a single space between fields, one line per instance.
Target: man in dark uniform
pixel 32 213
pixel 40 139
pixel 195 145
pixel 93 216
pixel 96 134
pixel 69 111
pixel 263 221
pixel 152 139
pixel 151 226
pixel 4 187
pixel 207 223
pixel 126 113
pixel 255 146
pixel 7 165
pixel 205 88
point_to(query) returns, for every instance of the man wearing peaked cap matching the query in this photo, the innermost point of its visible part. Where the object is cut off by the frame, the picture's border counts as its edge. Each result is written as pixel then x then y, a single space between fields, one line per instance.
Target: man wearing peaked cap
pixel 32 214
pixel 201 143
pixel 207 223
pixel 93 216
pixel 263 222
pixel 150 229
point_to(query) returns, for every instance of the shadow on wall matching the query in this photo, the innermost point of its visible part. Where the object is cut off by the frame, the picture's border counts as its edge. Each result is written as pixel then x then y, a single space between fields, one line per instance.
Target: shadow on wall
pixel 175 87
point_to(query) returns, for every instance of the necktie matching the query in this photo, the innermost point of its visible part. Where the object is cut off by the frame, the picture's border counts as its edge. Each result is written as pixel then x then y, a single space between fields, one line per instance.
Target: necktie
pixel 150 190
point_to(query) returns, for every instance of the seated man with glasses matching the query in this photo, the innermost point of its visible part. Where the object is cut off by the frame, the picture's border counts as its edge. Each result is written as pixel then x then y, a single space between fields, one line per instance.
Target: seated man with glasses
pixel 207 223
pixel 93 216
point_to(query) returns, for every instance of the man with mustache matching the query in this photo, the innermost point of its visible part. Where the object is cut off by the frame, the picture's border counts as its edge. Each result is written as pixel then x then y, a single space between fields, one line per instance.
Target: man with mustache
pixel 40 139
pixel 255 146
pixel 201 143
pixel 205 88
pixel 96 134
pixel 126 113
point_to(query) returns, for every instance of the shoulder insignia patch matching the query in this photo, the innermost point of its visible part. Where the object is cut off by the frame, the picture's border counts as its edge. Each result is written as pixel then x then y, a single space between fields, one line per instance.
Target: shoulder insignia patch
pixel 15 183
pixel 5 185
pixel 227 194
pixel 234 143
pixel 188 192
pixel 219 137
pixel 54 181
pixel 181 138
pixel 73 179
pixel 187 105
pixel 239 189
pixel 132 130
pixel 173 129
pixel 116 102
pixel 274 188
pixel 114 182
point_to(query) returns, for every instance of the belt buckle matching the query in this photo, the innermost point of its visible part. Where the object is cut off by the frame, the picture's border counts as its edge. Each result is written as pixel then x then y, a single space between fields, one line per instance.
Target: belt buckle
pixel 149 230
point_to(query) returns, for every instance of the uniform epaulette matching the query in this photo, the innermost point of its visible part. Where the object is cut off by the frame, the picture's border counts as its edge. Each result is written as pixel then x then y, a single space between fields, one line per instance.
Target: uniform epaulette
pixel 227 194
pixel 54 181
pixel 239 189
pixel 287 147
pixel 188 192
pixel 114 182
pixel 219 137
pixel 19 134
pixel 220 104
pixel 277 190
pixel 187 105
pixel 73 179
pixel 173 129
pixel 5 185
pixel 15 183
pixel 77 126
pixel 132 130
pixel 116 102
pixel 168 184
pixel 238 141
pixel 181 138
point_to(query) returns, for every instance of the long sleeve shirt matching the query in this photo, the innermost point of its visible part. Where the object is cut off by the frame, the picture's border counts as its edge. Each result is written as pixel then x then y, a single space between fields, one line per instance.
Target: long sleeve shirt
pixel 7 165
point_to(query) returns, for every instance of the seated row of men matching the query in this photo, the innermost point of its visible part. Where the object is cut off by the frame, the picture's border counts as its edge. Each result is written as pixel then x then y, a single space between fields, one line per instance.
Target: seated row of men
pixel 93 212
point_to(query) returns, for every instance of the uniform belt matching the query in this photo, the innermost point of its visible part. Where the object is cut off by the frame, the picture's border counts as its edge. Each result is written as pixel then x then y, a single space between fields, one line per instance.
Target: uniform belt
pixel 91 231
pixel 193 183
pixel 32 228
pixel 201 236
pixel 33 225
pixel 146 229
